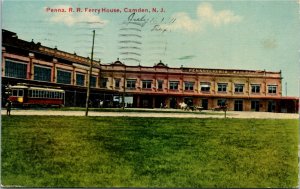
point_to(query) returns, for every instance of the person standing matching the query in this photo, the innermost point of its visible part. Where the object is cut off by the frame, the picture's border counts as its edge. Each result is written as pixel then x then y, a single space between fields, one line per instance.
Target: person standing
pixel 8 107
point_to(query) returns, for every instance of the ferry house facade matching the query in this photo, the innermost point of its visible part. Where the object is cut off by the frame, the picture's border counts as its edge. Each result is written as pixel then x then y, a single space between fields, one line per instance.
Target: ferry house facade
pixel 143 86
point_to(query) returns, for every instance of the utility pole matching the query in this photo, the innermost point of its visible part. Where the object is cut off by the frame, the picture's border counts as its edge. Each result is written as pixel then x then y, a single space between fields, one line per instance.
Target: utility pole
pixel 89 79
pixel 285 88
pixel 124 87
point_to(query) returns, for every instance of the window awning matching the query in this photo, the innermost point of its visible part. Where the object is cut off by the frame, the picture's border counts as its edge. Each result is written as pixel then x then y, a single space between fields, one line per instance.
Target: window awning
pixel 205 85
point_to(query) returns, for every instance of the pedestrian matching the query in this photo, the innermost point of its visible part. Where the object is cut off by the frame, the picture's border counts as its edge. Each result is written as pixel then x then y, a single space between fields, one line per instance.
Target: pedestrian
pixel 8 107
pixel 100 104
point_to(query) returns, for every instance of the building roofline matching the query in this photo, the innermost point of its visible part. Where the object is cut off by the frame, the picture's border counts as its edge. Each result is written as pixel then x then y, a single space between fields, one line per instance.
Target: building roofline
pixel 39 48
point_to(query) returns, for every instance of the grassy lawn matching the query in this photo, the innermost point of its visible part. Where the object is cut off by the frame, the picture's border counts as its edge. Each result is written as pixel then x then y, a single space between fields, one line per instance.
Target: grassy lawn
pixel 56 151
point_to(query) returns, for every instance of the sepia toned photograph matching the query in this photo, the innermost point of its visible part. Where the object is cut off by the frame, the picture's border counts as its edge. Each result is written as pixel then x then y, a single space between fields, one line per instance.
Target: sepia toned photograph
pixel 150 94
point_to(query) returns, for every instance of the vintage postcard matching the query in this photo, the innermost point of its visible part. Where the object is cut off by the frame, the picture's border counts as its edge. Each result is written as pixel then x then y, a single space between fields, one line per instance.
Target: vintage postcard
pixel 172 93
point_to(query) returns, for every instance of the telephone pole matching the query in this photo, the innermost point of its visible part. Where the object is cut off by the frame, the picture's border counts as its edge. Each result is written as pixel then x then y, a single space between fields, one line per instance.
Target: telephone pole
pixel 285 88
pixel 89 79
pixel 124 88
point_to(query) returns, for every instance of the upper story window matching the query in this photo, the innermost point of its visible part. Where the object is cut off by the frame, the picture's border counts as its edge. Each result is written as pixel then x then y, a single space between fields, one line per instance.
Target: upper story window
pixel 222 87
pixel 146 84
pixel 160 84
pixel 103 83
pixel 239 88
pixel 42 73
pixel 205 86
pixel 272 89
pixel 117 83
pixel 80 79
pixel 188 86
pixel 173 85
pixel 130 83
pixel 255 88
pixel 63 77
pixel 15 69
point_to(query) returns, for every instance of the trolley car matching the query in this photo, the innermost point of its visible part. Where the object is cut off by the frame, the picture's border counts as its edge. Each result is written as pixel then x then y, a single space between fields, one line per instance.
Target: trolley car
pixel 26 96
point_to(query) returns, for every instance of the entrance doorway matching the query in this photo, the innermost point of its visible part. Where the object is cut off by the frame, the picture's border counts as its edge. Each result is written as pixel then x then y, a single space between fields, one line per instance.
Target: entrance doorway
pixel 205 104
pixel 160 102
pixel 146 101
pixel 173 102
pixel 255 105
pixel 271 106
pixel 238 105
pixel 188 101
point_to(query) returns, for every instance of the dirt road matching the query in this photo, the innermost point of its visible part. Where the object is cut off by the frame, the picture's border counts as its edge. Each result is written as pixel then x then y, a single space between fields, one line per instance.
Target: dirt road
pixel 230 114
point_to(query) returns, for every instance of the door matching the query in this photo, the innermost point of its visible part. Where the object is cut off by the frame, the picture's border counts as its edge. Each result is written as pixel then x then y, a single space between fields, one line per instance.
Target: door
pixel 255 105
pixel 205 104
pixel 238 105
pixel 188 101
pixel 271 106
pixel 173 103
pixel 160 102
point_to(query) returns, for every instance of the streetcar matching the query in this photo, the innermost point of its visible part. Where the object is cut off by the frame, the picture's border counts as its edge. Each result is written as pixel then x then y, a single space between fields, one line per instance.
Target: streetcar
pixel 27 96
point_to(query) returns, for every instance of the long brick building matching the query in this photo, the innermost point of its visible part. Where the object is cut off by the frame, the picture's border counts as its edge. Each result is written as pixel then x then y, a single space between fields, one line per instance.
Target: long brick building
pixel 143 86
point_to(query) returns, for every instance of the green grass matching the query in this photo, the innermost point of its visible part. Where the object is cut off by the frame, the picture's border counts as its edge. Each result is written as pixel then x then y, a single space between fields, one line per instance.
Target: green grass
pixel 57 151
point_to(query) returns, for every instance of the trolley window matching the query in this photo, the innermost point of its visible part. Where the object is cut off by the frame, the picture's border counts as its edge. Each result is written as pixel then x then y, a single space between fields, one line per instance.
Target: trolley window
pixel 14 92
pixel 35 93
pixel 17 92
pixel 46 94
pixel 41 94
pixel 20 93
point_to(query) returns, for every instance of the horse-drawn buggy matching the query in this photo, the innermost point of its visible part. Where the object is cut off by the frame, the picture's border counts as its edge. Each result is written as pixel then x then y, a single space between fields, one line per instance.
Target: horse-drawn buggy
pixel 187 107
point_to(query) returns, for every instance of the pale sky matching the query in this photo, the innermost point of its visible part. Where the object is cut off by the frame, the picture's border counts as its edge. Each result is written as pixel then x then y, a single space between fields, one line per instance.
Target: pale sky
pixel 256 35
